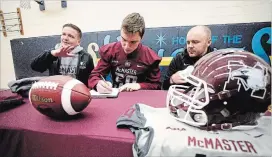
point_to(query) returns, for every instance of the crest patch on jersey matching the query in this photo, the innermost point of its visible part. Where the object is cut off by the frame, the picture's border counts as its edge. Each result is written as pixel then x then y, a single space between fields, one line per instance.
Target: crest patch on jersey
pixel 127 64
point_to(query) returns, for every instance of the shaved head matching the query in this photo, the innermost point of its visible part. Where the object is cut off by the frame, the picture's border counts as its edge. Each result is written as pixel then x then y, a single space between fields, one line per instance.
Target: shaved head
pixel 198 40
pixel 204 30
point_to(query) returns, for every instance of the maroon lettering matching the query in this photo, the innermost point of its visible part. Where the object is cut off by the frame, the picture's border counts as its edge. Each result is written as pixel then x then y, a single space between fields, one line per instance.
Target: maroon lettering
pixel 208 142
pixel 200 143
pixel 240 144
pixel 221 144
pixel 250 147
pixel 191 140
pixel 218 144
pixel 233 143
pixel 227 146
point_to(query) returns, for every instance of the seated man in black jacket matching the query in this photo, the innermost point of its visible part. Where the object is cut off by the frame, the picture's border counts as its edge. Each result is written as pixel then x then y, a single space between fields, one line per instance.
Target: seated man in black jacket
pixel 68 58
pixel 198 44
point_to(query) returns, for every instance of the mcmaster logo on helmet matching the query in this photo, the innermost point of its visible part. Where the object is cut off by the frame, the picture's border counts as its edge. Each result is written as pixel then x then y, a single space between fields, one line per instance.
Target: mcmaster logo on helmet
pixel 254 78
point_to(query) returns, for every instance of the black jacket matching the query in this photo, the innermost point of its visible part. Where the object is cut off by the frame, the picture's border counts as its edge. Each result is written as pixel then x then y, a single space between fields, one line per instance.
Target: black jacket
pixel 180 62
pixel 47 61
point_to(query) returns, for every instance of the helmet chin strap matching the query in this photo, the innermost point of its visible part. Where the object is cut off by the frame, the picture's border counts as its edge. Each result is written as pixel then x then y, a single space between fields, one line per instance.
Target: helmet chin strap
pixel 224 126
pixel 236 125
pixel 229 126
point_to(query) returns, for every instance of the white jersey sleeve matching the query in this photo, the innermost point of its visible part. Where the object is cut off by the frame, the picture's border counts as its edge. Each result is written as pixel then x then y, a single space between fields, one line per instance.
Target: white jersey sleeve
pixel 158 134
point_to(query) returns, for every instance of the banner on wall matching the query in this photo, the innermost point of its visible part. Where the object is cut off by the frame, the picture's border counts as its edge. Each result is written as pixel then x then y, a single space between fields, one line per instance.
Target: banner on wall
pixel 166 41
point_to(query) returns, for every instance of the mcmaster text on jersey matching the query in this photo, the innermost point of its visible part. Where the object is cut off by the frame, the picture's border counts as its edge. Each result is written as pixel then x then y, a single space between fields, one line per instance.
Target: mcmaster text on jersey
pixel 222 144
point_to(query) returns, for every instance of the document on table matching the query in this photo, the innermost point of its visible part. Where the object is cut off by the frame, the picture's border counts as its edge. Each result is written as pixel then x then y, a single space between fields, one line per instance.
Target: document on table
pixel 97 95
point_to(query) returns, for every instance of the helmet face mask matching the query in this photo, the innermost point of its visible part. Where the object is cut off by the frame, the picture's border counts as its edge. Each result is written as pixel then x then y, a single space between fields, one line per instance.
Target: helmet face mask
pixel 187 102
pixel 228 88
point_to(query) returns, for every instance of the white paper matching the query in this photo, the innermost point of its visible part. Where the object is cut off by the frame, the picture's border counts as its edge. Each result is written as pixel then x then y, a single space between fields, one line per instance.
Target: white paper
pixel 97 95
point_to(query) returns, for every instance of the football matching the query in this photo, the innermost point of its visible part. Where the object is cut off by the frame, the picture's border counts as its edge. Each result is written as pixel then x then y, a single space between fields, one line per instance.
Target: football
pixel 59 96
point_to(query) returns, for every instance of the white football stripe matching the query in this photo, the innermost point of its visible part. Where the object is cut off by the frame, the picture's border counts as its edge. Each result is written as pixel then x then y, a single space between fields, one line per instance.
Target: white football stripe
pixel 29 94
pixel 66 96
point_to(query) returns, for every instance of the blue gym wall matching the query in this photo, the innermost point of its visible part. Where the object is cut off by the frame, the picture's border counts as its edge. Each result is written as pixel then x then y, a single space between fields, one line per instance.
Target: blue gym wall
pixel 166 41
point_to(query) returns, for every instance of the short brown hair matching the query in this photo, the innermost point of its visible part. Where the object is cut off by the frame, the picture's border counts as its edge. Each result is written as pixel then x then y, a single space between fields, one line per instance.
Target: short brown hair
pixel 74 27
pixel 134 23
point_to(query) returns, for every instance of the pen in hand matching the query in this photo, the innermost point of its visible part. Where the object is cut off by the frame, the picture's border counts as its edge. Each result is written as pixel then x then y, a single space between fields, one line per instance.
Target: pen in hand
pixel 106 84
pixel 102 78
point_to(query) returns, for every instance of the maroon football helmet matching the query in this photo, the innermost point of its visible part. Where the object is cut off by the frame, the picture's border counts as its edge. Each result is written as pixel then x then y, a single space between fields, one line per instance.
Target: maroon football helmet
pixel 229 89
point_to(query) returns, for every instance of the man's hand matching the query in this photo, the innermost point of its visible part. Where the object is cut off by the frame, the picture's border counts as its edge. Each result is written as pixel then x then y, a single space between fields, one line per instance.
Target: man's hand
pixel 63 52
pixel 176 79
pixel 179 76
pixel 104 86
pixel 130 87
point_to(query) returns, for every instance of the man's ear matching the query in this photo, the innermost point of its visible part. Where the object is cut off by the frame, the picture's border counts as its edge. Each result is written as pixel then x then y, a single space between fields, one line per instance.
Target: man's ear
pixel 209 42
pixel 78 42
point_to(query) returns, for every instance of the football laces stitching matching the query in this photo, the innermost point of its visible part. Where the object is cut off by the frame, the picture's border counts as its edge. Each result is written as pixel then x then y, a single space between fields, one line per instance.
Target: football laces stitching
pixel 45 85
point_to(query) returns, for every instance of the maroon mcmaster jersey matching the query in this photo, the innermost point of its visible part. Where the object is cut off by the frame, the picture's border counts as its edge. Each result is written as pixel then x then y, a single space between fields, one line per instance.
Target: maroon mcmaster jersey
pixel 141 66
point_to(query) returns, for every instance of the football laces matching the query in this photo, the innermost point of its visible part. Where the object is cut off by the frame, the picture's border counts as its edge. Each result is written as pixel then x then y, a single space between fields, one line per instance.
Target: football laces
pixel 45 85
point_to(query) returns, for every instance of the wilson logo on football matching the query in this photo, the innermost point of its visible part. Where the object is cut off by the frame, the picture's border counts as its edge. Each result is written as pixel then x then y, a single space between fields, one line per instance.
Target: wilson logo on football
pixel 41 99
pixel 45 85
